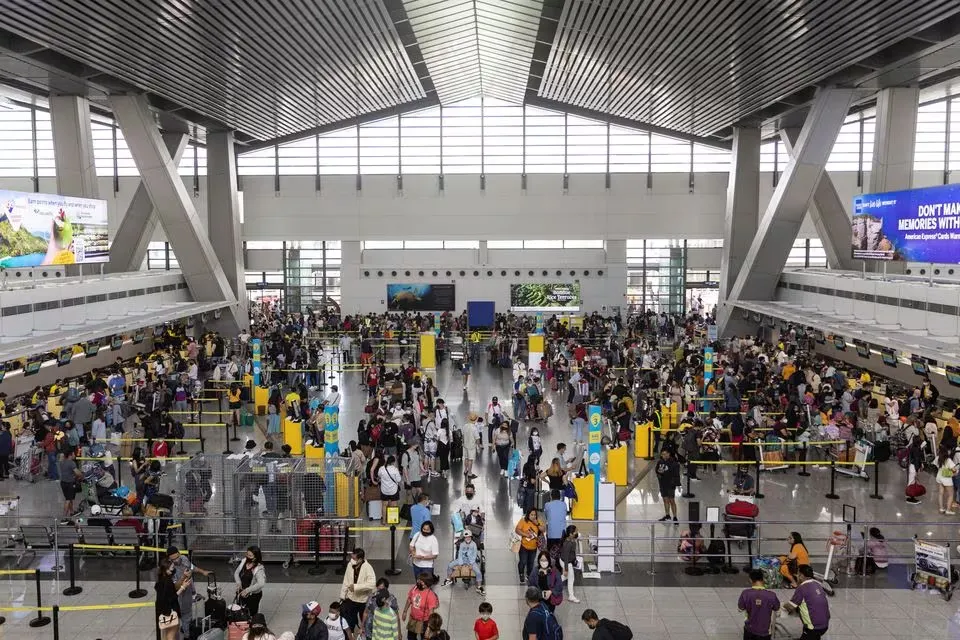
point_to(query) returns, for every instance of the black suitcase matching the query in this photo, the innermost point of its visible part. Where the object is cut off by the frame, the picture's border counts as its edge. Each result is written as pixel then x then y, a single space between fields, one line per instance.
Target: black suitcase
pixel 162 501
pixel 216 609
pixel 456 448
pixel 881 451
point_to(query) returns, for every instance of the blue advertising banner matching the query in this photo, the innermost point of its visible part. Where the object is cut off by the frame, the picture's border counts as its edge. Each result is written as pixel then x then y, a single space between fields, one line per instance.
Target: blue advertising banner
pixel 595 435
pixel 539 318
pixel 436 323
pixel 255 351
pixel 918 225
pixel 708 363
pixel 331 431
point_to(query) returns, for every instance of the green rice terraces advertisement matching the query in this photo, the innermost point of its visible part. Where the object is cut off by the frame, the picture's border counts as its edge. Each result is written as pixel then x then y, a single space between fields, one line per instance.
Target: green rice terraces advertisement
pixel 542 296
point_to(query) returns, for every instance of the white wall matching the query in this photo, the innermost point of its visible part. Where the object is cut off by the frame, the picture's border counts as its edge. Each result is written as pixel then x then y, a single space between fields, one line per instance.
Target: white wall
pixel 463 211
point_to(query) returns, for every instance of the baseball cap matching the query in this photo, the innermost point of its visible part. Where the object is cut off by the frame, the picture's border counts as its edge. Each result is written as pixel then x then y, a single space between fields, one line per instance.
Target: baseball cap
pixel 468 533
pixel 312 607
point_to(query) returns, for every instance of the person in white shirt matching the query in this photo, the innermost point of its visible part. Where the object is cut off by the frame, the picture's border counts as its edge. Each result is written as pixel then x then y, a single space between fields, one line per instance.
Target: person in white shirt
pixel 424 550
pixel 390 481
pixel 468 501
pixel 494 418
pixel 471 438
pixel 346 348
pixel 519 370
pixel 333 398
pixel 337 626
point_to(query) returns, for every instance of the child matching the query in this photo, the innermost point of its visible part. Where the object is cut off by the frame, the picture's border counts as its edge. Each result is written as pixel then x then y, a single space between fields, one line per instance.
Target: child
pixel 337 627
pixel 485 628
pixel 273 422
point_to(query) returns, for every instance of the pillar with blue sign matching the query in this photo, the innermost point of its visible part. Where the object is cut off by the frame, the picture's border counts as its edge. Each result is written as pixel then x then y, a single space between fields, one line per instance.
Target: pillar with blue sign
pixel 255 351
pixel 539 319
pixel 331 431
pixel 436 322
pixel 595 421
pixel 707 375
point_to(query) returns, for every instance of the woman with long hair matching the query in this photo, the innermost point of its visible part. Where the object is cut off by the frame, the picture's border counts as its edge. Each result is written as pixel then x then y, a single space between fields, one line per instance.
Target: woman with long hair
pixel 946 469
pixel 251 578
pixel 258 629
pixel 167 606
pixel 798 555
pixel 443 447
pixel 547 578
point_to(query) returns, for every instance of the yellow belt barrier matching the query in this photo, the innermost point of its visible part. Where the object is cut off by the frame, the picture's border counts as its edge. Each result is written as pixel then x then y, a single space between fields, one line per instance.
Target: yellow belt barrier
pixel 767 444
pixel 120 547
pixel 17 572
pixel 820 463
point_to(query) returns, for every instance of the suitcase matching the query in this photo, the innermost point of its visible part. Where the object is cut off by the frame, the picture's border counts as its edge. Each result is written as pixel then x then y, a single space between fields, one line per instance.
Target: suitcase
pixel 456 447
pixel 915 490
pixel 162 501
pixel 554 385
pixel 205 629
pixel 742 509
pixel 235 630
pixel 771 571
pixel 326 538
pixel 305 535
pixel 545 410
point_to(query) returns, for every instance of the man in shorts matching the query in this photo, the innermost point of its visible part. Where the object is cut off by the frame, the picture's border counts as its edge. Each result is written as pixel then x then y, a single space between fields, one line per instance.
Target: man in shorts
pixel 70 477
pixel 668 476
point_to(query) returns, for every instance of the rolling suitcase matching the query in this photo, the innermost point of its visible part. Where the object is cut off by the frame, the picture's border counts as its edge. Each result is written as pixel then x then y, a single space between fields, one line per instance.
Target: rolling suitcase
pixel 456 447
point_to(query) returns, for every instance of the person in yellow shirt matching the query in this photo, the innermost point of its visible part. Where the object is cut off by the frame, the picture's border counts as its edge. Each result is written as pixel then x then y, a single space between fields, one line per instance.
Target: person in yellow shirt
pixel 865 377
pixel 235 403
pixel 788 369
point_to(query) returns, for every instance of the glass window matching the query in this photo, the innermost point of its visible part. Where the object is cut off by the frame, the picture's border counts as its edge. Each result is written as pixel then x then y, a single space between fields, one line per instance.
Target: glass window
pixel 45 161
pixel 462 244
pixel 338 152
pixel 423 244
pixel 16 139
pixel 299 158
pixel 545 142
pixel 504 244
pixel 257 163
pixel 382 244
pixel 628 150
pixel 583 244
pixel 714 243
pixel 380 147
pixel 543 244
pixel 420 136
pixel 264 244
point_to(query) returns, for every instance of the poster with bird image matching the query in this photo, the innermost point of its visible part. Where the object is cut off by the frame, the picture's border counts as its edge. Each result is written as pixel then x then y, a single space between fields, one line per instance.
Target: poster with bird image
pixel 421 297
pixel 42 229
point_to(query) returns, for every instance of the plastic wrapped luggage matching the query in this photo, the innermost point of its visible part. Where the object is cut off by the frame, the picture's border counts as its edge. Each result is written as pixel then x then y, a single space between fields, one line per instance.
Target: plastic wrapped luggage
pixel 771 571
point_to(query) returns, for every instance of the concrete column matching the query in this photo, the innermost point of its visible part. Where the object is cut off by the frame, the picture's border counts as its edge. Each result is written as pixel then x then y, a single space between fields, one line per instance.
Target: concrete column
pixel 223 212
pixel 138 224
pixel 182 225
pixel 895 139
pixel 743 205
pixel 781 221
pixel 828 214
pixel 616 278
pixel 73 147
pixel 483 256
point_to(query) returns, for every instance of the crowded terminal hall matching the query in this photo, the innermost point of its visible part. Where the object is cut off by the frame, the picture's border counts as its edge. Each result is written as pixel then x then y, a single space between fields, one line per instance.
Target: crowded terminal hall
pixel 447 320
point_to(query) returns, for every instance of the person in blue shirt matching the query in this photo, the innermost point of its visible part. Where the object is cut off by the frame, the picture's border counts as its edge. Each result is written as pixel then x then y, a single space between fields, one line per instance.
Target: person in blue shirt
pixel 467 555
pixel 419 513
pixel 556 513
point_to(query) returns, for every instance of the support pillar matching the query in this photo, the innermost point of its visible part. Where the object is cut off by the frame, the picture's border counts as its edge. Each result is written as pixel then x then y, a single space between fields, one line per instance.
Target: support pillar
pixel 743 207
pixel 223 213
pixel 182 225
pixel 894 144
pixel 828 214
pixel 138 224
pixel 73 147
pixel 781 221
pixel 895 139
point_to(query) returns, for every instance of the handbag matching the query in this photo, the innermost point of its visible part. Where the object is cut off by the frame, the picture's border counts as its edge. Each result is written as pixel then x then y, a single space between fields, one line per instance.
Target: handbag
pixel 515 540
pixel 168 621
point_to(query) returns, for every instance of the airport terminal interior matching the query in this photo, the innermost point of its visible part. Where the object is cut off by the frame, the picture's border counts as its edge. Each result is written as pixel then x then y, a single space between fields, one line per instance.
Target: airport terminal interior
pixel 649 309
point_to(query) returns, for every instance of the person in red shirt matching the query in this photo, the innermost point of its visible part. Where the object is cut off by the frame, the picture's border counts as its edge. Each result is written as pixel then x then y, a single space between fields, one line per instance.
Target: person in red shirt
pixel 579 354
pixel 485 628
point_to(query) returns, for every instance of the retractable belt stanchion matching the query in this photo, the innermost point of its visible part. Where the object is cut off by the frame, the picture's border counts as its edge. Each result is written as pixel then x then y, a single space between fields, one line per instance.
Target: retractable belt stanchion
pixel 316 569
pixel 226 439
pixel 757 493
pixel 876 482
pixel 833 482
pixel 41 620
pixel 138 592
pixel 393 571
pixel 73 589
pixel 56 623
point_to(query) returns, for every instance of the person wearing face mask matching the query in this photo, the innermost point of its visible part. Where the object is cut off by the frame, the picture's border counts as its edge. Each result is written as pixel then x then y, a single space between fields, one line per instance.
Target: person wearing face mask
pixel 421 602
pixel 167 605
pixel 468 555
pixel 548 580
pixel 568 559
pixel 469 501
pixel 383 591
pixel 424 549
pixel 386 623
pixel 337 628
pixel 182 566
pixel 311 626
pixel 485 628
pixel 535 445
pixel 359 581
pixel 529 530
pixel 250 578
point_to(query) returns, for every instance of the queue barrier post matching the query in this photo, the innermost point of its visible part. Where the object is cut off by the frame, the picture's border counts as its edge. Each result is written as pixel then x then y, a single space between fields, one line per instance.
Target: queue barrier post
pixel 235 437
pixel 833 482
pixel 56 622
pixel 757 493
pixel 138 592
pixel 316 569
pixel 803 458
pixel 73 589
pixel 688 494
pixel 876 482
pixel 393 571
pixel 346 552
pixel 226 439
pixel 41 620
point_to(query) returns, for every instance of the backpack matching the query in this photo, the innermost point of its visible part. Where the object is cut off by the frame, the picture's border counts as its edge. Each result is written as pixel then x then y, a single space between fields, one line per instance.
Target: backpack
pixel 551 626
pixel 617 630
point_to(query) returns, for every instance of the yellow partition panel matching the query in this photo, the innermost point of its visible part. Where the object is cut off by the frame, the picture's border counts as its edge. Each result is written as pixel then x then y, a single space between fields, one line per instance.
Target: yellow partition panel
pixel 586 505
pixel 293 436
pixel 260 398
pixel 617 466
pixel 428 350
pixel 643 441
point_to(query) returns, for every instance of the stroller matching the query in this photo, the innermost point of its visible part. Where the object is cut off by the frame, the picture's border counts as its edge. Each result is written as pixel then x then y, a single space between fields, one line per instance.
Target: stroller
pixel 474 522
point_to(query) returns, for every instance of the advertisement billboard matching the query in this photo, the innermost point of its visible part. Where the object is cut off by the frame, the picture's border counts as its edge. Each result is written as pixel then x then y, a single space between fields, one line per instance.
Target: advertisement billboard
pixel 545 297
pixel 421 297
pixel 40 229
pixel 919 225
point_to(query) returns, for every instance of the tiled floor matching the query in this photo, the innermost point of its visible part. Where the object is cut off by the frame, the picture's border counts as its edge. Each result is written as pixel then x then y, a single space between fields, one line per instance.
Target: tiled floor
pixel 661 605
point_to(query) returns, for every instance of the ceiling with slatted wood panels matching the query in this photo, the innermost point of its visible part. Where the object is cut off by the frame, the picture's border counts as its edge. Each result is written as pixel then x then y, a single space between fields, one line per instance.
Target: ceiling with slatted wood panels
pixel 276 70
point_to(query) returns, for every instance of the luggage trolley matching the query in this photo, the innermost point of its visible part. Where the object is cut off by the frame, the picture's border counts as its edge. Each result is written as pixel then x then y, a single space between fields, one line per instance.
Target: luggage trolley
pixel 772 454
pixel 475 523
pixel 861 451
